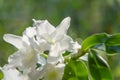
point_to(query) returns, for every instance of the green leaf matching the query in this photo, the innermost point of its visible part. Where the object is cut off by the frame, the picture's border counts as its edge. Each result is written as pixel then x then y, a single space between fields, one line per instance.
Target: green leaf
pixel 98 67
pixel 113 44
pixel 107 49
pixel 112 49
pixel 113 40
pixel 94 40
pixel 75 70
pixel 103 41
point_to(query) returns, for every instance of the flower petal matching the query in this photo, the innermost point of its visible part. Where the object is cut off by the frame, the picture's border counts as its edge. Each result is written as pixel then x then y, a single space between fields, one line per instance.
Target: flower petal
pixel 43 26
pixel 30 32
pixel 66 43
pixel 58 34
pixel 24 59
pixel 14 40
pixel 13 74
pixel 52 72
pixel 64 25
pixel 54 54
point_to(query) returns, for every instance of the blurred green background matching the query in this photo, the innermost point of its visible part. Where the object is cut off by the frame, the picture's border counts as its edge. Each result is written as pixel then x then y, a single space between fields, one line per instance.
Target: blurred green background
pixel 88 17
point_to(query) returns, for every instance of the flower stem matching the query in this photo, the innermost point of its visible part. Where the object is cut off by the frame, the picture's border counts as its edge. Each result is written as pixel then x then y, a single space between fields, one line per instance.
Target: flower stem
pixel 79 54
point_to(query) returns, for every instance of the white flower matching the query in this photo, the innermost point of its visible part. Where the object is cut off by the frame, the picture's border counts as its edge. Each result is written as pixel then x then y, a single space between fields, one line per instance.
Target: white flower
pixel 13 74
pixel 21 42
pixel 55 38
pixel 26 57
pixel 35 40
pixel 48 32
pixel 52 72
pixel 59 42
pixel 53 69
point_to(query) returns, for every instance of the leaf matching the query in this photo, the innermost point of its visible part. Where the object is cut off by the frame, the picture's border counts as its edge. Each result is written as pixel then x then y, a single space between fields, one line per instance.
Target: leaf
pixel 112 49
pixel 75 70
pixel 103 41
pixel 113 40
pixel 107 49
pixel 94 40
pixel 113 44
pixel 98 67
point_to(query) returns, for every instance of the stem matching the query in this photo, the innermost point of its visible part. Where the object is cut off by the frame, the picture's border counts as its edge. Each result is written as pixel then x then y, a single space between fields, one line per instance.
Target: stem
pixel 79 54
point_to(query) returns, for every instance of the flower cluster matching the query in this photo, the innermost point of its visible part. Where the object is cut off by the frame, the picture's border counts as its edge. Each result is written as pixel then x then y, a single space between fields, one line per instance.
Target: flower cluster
pixel 40 52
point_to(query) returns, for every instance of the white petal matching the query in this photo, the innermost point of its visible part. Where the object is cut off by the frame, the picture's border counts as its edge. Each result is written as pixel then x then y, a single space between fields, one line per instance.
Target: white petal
pixel 56 37
pixel 64 25
pixel 25 40
pixel 75 47
pixel 52 72
pixel 34 74
pixel 47 38
pixel 53 60
pixel 55 50
pixel 14 40
pixel 14 59
pixel 66 43
pixel 55 54
pixel 61 66
pixel 24 59
pixel 61 30
pixel 43 26
pixel 30 32
pixel 43 45
pixel 13 74
pixel 60 69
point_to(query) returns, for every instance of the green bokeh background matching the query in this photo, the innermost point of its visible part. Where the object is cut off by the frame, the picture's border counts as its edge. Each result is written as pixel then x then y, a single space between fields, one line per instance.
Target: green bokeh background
pixel 87 17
